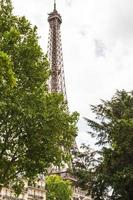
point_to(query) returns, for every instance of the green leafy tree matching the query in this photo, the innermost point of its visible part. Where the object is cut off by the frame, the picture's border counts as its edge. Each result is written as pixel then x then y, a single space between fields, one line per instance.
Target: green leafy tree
pixel 58 189
pixel 36 130
pixel 109 175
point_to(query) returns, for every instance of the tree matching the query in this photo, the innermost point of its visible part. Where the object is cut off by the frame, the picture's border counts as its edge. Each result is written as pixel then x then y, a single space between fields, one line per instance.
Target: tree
pixel 58 189
pixel 83 163
pixel 36 129
pixel 110 174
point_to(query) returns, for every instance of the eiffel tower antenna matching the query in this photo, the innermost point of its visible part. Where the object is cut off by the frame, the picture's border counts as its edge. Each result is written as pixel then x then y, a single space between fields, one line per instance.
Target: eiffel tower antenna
pixel 54 4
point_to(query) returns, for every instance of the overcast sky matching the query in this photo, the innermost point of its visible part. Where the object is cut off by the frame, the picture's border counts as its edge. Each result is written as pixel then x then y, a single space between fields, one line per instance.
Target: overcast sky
pixel 97 38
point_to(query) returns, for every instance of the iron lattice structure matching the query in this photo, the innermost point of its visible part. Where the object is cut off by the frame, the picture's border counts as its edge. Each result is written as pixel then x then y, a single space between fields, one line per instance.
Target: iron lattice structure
pixel 55 54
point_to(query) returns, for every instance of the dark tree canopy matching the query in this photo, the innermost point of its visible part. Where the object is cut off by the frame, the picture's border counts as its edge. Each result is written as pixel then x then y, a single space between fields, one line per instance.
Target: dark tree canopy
pixel 109 175
pixel 36 130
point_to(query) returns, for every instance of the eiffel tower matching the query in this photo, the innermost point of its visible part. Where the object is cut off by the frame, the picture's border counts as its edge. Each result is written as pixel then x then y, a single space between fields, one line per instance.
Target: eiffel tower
pixel 55 57
pixel 57 79
pixel 55 54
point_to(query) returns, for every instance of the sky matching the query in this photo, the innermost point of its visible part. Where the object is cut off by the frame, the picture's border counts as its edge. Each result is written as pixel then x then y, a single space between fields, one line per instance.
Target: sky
pixel 97 39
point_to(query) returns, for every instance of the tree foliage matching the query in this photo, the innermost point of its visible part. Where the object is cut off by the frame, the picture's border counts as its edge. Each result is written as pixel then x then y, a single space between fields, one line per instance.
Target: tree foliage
pixel 58 189
pixel 82 165
pixel 110 174
pixel 36 130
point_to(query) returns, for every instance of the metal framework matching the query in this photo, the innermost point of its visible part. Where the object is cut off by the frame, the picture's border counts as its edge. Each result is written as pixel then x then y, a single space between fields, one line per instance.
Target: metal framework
pixel 55 54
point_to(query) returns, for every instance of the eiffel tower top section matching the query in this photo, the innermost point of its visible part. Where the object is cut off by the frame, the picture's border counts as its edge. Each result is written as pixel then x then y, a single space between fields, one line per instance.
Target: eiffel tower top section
pixel 55 53
pixel 54 15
